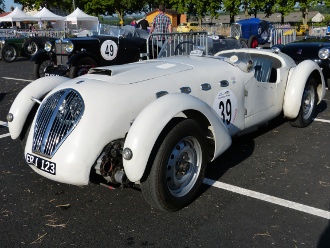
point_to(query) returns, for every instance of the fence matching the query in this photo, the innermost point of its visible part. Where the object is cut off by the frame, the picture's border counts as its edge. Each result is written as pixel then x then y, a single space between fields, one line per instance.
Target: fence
pixel 11 33
pixel 175 43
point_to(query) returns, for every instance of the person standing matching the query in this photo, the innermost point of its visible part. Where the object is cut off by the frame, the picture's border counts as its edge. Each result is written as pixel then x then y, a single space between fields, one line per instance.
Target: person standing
pixel 161 24
pixel 144 24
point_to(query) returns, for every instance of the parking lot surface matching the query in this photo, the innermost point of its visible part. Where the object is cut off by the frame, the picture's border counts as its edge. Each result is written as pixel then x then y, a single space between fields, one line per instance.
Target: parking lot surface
pixel 270 189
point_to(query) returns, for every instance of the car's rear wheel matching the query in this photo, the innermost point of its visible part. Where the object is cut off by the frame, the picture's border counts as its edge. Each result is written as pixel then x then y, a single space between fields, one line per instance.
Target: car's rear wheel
pixel 82 67
pixel 253 42
pixel 39 68
pixel 9 53
pixel 178 168
pixel 30 48
pixel 308 105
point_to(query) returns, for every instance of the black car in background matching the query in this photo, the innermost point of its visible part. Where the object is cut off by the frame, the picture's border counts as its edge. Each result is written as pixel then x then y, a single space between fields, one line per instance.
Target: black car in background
pixel 21 46
pixel 73 57
pixel 313 48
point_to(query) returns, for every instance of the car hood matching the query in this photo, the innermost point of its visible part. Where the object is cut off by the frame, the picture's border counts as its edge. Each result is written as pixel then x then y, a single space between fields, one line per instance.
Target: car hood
pixel 132 73
pixel 304 50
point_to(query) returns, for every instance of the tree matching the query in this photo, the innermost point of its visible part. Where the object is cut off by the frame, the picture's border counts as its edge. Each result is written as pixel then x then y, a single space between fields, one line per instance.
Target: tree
pixel 111 7
pixel 2 6
pixel 198 8
pixel 284 7
pixel 304 6
pixel 65 5
pixel 233 7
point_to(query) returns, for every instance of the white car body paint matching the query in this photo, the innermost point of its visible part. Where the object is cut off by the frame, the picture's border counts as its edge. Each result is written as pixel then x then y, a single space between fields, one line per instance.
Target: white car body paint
pixel 127 93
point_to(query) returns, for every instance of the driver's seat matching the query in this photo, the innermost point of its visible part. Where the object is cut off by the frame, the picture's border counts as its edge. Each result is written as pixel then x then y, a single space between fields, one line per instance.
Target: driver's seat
pixel 262 69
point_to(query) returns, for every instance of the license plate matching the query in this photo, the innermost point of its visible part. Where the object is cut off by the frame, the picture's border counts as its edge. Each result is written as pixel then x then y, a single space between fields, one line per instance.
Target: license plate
pixel 41 163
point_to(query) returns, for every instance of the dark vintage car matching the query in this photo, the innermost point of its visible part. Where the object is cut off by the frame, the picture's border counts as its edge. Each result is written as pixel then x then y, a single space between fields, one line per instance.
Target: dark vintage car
pixel 24 46
pixel 73 57
pixel 313 48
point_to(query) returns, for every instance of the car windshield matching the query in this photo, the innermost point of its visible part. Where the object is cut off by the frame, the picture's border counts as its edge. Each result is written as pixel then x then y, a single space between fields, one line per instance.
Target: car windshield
pixel 230 50
pixel 125 31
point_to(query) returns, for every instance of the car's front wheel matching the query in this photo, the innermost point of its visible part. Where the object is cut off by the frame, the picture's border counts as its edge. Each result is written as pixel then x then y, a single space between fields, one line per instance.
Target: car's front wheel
pixel 9 53
pixel 82 67
pixel 178 167
pixel 308 105
pixel 39 68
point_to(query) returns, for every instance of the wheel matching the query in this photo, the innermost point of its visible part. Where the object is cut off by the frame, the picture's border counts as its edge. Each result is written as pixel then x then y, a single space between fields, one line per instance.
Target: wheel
pixel 183 48
pixel 308 105
pixel 9 53
pixel 82 67
pixel 40 68
pixel 178 167
pixel 253 42
pixel 30 48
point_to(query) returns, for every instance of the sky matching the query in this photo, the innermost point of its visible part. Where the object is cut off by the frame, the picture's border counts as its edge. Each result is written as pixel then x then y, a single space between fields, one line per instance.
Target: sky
pixel 8 4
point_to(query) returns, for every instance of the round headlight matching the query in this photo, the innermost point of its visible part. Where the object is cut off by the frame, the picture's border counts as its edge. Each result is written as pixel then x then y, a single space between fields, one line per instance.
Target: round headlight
pixel 69 47
pixel 48 46
pixel 2 42
pixel 324 53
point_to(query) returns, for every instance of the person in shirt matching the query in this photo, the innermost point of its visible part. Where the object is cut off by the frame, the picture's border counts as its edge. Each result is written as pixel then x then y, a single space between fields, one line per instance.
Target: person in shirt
pixel 161 24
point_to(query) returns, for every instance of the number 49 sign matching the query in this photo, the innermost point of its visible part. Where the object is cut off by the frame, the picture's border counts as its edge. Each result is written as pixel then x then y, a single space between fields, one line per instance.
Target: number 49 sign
pixel 109 50
pixel 225 105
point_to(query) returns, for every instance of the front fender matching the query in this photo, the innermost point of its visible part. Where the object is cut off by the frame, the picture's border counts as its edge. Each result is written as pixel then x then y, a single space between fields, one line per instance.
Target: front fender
pixel 74 59
pixel 151 121
pixel 297 79
pixel 40 56
pixel 23 104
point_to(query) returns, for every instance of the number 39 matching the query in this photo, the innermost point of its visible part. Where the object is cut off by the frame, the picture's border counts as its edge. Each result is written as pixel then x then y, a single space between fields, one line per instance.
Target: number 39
pixel 225 111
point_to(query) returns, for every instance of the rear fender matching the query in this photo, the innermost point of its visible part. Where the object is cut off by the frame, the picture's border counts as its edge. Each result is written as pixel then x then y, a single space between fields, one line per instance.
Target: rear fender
pixel 297 79
pixel 148 125
pixel 74 60
pixel 23 104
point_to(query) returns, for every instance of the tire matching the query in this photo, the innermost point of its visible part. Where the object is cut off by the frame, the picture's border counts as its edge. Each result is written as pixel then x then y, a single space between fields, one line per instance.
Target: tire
pixel 40 67
pixel 82 67
pixel 181 48
pixel 177 168
pixel 9 53
pixel 308 105
pixel 253 42
pixel 30 48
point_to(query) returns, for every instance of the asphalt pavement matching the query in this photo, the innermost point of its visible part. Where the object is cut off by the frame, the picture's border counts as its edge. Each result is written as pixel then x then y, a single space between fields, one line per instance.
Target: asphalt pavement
pixel 270 189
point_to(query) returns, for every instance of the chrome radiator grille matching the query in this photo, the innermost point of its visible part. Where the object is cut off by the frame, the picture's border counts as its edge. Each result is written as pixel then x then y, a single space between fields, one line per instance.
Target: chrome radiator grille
pixel 235 30
pixel 61 54
pixel 57 117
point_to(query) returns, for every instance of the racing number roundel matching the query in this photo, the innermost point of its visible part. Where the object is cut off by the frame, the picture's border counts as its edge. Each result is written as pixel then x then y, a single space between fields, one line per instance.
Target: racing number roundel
pixel 109 50
pixel 225 105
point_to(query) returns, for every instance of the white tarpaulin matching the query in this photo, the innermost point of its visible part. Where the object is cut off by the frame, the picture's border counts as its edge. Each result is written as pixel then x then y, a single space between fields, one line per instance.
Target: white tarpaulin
pixel 17 16
pixel 58 22
pixel 81 21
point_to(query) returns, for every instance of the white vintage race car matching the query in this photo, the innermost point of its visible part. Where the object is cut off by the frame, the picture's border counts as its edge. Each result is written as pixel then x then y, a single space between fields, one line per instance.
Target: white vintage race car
pixel 157 123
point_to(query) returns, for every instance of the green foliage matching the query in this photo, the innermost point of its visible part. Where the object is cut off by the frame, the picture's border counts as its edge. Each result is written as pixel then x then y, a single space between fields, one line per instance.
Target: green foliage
pixel 2 6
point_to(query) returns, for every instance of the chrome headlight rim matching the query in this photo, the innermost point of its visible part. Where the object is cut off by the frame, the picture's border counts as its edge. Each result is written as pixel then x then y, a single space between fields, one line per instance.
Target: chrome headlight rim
pixel 48 46
pixel 69 46
pixel 324 53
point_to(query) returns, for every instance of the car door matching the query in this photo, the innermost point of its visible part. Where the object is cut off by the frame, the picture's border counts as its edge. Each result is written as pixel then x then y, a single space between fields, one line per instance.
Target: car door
pixel 259 93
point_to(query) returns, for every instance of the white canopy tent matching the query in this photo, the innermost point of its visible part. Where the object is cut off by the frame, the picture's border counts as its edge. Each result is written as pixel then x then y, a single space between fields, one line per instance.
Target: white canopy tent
pixel 81 21
pixel 17 16
pixel 58 22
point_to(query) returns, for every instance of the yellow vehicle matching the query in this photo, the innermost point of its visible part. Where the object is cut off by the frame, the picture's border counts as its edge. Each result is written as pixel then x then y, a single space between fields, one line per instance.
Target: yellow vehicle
pixel 187 27
pixel 301 30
